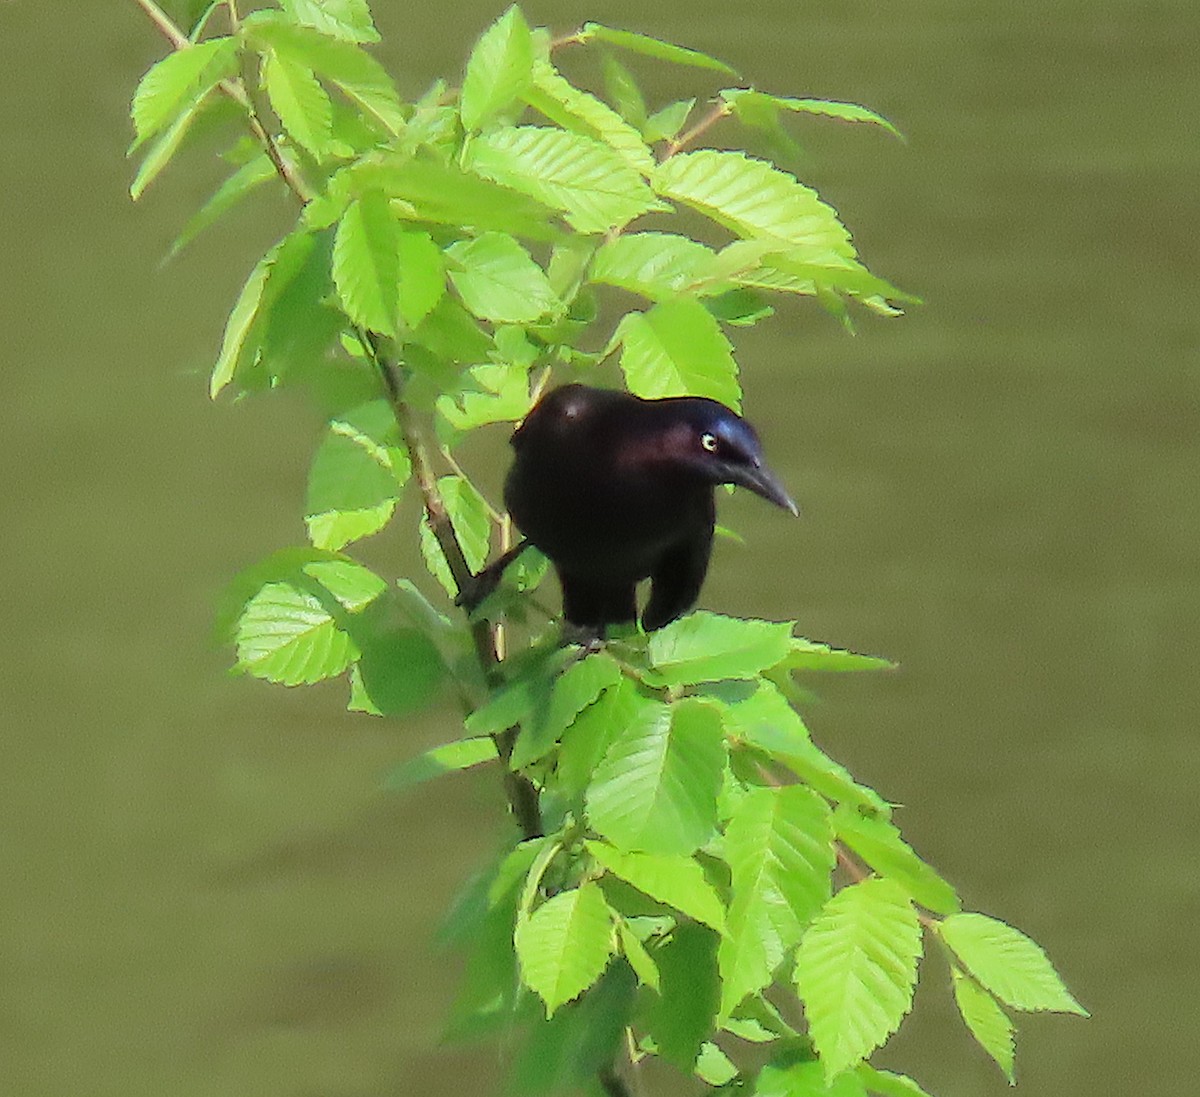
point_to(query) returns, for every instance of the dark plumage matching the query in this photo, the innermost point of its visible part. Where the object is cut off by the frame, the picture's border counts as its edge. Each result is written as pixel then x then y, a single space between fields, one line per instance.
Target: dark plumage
pixel 615 489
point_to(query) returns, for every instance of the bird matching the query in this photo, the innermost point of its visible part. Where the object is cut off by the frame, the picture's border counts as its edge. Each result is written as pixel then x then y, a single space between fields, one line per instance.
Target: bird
pixel 615 489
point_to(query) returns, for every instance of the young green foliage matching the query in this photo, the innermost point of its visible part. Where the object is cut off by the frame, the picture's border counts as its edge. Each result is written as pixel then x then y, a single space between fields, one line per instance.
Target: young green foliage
pixel 675 880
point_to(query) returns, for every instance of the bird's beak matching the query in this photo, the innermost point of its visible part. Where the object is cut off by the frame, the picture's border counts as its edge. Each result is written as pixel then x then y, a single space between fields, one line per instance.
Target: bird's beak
pixel 762 481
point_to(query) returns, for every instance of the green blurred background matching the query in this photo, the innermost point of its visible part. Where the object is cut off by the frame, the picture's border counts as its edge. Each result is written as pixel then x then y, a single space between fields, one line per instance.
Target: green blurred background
pixel 205 892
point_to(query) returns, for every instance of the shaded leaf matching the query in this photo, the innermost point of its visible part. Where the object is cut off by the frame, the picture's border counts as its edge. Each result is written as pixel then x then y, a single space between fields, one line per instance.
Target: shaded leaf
pixel 680 1018
pixel 399 670
pixel 448 758
pixel 652 47
pixel 250 175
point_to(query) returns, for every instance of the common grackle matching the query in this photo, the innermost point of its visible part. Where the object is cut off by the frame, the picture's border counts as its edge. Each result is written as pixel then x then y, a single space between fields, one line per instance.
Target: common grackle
pixel 615 489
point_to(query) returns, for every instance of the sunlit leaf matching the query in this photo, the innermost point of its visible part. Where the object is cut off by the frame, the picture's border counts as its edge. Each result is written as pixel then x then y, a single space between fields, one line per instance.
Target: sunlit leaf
pixel 1008 963
pixel 713 1066
pixel 366 263
pixel 356 476
pixel 664 124
pixel 846 112
pixel 806 1079
pixel 343 63
pixel 572 691
pixel 346 19
pixel 639 959
pixel 178 82
pixel 652 47
pixel 878 842
pixel 754 199
pixel 678 881
pixel 988 1023
pixel 472 527
pixel 498 70
pixel 591 184
pixel 779 847
pixel 565 944
pixel 810 655
pixel 887 1084
pixel 573 109
pixel 160 154
pixel 300 102
pixel 498 280
pixel 855 970
pixel 677 348
pixel 587 740
pixel 707 647
pixel 654 264
pixel 655 791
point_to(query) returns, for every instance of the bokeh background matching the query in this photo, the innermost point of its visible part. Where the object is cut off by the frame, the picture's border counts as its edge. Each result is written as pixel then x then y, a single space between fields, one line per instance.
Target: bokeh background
pixel 203 889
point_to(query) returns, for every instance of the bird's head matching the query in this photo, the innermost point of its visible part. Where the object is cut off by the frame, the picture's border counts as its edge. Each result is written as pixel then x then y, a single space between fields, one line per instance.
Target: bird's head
pixel 714 442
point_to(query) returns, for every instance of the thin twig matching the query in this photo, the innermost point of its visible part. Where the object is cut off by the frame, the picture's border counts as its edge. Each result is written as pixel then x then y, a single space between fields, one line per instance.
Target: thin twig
pixel 521 793
pixel 721 110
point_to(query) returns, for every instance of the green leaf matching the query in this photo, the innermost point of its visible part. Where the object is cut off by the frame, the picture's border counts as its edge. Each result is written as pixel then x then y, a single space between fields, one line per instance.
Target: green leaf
pixel 878 842
pixel 764 719
pixel 178 82
pixel 469 516
pixel 355 73
pixel 250 175
pixel 664 124
pixel 297 631
pixel 300 102
pixel 754 200
pixel 366 263
pixel 422 276
pixel 639 959
pixel 349 20
pixel 623 92
pixel 655 791
pixel 655 264
pixel 448 758
pixel 846 112
pixel 592 185
pixel 707 647
pixel 680 1018
pixel 779 847
pixel 855 970
pixel 241 319
pixel 810 655
pixel 498 280
pixel 399 670
pixel 493 393
pixel 587 740
pixel 677 348
pixel 572 691
pixel 164 149
pixel 576 110
pixel 714 1067
pixel 887 1084
pixel 806 1079
pixel 677 881
pixel 1008 963
pixel 564 946
pixel 989 1024
pixel 652 47
pixel 357 474
pixel 498 70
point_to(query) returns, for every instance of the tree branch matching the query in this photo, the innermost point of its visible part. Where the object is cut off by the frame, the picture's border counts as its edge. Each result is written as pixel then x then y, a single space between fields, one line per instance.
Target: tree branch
pixel 521 793
pixel 719 111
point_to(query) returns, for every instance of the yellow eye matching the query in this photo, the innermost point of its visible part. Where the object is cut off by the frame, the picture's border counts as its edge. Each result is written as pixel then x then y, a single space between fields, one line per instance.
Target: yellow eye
pixel 709 442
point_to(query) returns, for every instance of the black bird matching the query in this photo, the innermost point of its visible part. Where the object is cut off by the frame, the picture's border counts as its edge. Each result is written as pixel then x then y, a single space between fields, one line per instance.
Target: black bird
pixel 615 489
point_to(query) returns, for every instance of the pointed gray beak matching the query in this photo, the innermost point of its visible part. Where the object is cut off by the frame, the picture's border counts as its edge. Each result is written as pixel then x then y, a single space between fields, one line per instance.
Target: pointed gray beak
pixel 762 481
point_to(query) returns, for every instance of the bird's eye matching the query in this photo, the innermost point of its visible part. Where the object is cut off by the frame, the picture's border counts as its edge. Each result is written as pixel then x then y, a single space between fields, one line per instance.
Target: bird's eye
pixel 709 442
